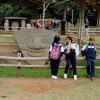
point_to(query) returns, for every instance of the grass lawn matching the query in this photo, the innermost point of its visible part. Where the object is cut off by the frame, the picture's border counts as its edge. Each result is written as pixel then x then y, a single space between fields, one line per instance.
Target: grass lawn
pixel 6 33
pixel 29 72
pixel 7 39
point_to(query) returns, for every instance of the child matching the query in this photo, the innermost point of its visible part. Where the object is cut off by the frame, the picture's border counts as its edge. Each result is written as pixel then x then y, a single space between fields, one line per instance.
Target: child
pixel 56 50
pixel 54 24
pixel 69 50
pixel 89 53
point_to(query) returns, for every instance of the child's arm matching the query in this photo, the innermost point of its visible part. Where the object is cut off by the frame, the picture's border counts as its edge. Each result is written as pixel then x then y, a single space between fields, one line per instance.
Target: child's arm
pixel 50 50
pixel 62 50
pixel 83 52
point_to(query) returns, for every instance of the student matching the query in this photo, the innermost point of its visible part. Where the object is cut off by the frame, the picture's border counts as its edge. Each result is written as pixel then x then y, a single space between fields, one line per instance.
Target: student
pixel 69 51
pixel 54 24
pixel 89 53
pixel 56 50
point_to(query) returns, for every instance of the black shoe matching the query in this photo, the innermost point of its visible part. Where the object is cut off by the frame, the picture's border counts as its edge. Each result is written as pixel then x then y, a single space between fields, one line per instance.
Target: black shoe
pixel 89 76
pixel 92 78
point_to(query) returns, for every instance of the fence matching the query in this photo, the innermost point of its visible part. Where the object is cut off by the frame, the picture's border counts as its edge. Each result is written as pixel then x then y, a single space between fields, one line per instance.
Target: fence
pixel 19 65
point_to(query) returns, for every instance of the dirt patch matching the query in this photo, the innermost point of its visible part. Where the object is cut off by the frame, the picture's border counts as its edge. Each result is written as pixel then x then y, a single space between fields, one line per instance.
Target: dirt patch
pixel 40 85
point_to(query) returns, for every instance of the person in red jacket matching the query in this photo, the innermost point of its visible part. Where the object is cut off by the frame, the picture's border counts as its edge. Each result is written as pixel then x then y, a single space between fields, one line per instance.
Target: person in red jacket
pixel 47 25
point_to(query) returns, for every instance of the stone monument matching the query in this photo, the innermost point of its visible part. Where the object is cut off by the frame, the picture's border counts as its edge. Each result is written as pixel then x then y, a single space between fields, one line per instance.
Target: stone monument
pixel 34 42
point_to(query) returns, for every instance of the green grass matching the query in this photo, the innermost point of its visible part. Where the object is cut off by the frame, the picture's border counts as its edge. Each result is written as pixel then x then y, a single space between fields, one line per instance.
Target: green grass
pixel 5 33
pixel 11 90
pixel 29 72
pixel 7 39
pixel 83 63
pixel 3 96
pixel 97 41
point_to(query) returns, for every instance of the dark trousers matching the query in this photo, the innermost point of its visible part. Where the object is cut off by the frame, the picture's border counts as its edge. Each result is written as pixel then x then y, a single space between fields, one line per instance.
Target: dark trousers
pixel 91 62
pixel 54 67
pixel 71 59
pixel 62 30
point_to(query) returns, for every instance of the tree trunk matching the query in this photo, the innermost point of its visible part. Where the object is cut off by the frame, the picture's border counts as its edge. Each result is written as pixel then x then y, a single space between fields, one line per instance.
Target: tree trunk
pixel 65 6
pixel 81 22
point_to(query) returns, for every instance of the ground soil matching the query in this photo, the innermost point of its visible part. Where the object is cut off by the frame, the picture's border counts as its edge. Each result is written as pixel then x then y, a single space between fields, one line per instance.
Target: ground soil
pixel 34 85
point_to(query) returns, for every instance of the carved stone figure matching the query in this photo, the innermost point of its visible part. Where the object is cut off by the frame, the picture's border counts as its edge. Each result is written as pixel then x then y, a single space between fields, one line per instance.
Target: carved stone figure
pixel 34 42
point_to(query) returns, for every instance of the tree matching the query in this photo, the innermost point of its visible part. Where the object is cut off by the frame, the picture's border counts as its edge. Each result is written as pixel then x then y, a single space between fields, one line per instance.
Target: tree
pixel 13 10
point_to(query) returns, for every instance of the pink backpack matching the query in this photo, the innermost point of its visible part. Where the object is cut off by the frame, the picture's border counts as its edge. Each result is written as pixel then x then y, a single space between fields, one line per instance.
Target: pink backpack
pixel 55 53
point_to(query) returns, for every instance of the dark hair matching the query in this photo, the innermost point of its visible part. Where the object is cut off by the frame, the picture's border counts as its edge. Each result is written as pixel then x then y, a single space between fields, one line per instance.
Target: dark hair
pixel 56 39
pixel 69 38
pixel 91 39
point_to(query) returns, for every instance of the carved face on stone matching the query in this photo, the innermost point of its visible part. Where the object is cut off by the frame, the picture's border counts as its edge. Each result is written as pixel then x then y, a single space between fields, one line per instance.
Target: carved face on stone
pixel 34 42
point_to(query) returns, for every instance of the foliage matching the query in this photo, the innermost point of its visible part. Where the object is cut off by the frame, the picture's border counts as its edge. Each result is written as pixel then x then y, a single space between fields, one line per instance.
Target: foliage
pixel 19 10
pixel 15 10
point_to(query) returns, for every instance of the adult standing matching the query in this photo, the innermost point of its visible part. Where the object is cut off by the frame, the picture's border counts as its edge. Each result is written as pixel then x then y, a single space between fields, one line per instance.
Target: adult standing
pixel 86 28
pixel 54 24
pixel 63 22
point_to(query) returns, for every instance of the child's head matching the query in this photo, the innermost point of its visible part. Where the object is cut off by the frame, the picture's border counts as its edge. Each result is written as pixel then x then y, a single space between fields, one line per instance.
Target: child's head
pixel 91 40
pixel 56 39
pixel 68 39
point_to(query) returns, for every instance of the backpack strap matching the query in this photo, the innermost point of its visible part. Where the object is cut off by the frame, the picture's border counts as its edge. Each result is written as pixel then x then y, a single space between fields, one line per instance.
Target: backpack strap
pixel 95 47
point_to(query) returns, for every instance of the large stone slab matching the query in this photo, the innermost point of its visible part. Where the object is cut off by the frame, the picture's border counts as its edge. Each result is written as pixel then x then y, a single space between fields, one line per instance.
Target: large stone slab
pixel 34 42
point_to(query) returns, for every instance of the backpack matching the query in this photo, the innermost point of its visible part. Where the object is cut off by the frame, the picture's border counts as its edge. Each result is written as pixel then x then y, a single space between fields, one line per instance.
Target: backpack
pixel 55 52
pixel 47 26
pixel 76 49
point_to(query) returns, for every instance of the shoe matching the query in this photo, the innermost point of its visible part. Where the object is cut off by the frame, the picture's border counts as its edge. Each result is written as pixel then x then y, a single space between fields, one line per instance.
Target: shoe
pixel 92 78
pixel 75 77
pixel 52 76
pixel 89 76
pixel 55 77
pixel 65 75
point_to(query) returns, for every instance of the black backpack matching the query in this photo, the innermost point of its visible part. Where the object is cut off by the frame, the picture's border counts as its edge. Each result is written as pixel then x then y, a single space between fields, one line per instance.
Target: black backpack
pixel 47 26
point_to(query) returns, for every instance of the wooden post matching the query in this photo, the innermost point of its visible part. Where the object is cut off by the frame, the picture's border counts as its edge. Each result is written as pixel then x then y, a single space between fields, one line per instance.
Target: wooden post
pixel 81 21
pixel 19 63
pixel 98 17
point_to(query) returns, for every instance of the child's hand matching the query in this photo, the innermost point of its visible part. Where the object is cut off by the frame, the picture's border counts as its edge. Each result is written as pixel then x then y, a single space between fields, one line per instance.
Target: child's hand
pixel 84 57
pixel 65 52
pixel 98 57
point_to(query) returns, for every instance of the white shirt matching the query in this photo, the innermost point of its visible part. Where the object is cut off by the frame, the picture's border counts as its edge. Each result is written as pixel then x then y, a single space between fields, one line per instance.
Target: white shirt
pixel 61 50
pixel 72 46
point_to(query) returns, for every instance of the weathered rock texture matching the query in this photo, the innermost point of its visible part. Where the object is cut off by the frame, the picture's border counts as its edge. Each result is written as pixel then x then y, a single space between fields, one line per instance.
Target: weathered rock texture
pixel 34 42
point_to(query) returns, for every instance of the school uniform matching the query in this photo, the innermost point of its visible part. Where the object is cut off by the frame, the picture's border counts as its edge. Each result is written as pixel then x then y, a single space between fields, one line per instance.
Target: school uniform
pixel 70 58
pixel 90 52
pixel 55 63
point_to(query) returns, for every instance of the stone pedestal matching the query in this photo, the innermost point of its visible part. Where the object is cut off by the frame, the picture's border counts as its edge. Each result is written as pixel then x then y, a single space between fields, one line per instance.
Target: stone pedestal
pixel 6 25
pixel 23 23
